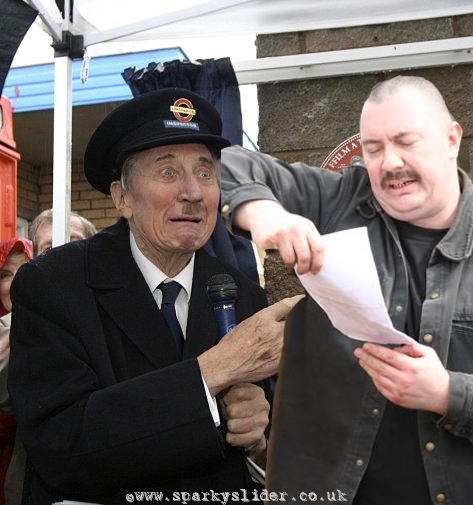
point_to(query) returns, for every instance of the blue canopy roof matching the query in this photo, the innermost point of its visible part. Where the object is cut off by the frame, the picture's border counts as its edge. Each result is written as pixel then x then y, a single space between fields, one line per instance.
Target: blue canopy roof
pixel 31 88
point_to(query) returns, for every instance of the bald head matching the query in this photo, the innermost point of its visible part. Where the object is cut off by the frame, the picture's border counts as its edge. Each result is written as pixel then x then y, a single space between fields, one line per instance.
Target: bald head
pixel 417 85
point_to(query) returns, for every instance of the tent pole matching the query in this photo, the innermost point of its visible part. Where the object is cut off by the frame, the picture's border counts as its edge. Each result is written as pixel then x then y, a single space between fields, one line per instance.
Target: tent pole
pixel 62 149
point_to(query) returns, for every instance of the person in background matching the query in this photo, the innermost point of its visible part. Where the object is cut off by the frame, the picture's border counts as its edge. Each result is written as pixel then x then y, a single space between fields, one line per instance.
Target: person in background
pixel 41 230
pixel 120 389
pixel 372 424
pixel 14 252
pixel 23 250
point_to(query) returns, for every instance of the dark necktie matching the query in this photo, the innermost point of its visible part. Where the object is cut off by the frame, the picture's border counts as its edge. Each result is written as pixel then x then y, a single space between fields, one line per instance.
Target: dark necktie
pixel 170 291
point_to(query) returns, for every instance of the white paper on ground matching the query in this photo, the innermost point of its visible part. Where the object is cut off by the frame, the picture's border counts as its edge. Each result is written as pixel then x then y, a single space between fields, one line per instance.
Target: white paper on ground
pixel 347 288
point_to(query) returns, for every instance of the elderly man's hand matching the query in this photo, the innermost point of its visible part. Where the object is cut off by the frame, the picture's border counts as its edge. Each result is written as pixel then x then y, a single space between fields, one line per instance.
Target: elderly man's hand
pixel 247 413
pixel 272 227
pixel 250 352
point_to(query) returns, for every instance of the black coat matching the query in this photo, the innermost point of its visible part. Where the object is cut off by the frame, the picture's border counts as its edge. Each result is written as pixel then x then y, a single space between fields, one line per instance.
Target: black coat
pixel 103 404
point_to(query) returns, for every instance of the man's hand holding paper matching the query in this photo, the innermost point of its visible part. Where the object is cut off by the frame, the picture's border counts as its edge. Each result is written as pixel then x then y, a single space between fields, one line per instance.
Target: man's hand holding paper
pixel 348 289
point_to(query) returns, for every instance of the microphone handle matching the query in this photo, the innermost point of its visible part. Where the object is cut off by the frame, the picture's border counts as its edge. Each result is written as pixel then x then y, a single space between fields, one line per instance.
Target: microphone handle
pixel 225 316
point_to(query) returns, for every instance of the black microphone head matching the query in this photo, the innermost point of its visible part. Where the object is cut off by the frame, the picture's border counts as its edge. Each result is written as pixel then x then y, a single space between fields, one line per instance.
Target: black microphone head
pixel 221 287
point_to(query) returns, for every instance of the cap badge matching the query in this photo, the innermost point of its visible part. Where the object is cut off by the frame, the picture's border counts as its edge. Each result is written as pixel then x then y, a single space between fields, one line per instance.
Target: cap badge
pixel 183 110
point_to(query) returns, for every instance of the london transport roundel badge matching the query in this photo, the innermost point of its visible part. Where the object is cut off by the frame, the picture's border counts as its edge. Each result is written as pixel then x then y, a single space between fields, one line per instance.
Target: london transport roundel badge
pixel 183 110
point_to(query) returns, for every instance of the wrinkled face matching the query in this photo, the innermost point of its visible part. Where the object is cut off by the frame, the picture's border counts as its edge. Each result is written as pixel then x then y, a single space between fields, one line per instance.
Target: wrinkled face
pixel 171 201
pixel 44 234
pixel 14 261
pixel 410 145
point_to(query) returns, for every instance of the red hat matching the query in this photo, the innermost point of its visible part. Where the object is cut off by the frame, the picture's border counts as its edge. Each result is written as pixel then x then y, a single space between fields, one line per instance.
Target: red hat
pixel 6 247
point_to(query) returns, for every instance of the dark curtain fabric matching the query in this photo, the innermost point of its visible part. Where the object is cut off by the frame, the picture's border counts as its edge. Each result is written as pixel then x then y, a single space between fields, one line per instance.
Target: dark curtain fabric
pixel 214 80
pixel 15 19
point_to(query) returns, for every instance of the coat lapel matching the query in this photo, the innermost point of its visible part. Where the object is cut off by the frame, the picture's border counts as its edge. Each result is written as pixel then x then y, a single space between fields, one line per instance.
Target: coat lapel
pixel 124 295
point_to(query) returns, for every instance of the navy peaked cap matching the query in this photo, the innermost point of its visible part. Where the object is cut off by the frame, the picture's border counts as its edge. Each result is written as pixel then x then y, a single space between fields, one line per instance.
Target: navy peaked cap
pixel 164 117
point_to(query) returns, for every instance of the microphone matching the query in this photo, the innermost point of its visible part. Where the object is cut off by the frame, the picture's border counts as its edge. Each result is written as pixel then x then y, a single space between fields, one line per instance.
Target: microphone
pixel 222 294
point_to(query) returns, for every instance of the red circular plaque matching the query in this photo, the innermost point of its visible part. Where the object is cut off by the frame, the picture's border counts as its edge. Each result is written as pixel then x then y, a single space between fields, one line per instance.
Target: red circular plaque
pixel 347 153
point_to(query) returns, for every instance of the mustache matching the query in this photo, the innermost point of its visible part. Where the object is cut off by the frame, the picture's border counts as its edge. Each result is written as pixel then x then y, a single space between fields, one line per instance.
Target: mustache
pixel 191 209
pixel 401 175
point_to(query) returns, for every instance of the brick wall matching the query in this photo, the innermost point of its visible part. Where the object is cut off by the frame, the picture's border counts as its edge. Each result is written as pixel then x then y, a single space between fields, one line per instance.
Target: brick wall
pixel 28 191
pixel 35 193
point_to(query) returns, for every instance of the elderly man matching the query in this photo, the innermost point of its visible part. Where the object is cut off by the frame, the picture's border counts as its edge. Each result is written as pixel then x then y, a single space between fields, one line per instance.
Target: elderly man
pixel 41 230
pixel 370 424
pixel 114 396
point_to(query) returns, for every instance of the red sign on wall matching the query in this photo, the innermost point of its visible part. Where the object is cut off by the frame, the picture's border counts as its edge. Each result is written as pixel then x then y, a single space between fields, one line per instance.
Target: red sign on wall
pixel 347 153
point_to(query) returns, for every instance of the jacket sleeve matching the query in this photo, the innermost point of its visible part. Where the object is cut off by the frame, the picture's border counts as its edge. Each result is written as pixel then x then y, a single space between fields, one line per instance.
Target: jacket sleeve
pixel 459 418
pixel 301 189
pixel 82 428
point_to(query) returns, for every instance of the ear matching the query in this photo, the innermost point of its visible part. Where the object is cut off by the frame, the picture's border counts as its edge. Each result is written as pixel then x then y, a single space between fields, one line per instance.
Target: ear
pixel 120 200
pixel 454 139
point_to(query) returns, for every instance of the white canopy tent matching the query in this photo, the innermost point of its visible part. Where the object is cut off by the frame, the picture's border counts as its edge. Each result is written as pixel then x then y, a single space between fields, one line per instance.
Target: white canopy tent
pixel 86 24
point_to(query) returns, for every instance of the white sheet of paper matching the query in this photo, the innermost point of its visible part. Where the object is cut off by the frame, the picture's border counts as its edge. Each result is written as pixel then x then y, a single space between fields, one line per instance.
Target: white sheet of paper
pixel 347 288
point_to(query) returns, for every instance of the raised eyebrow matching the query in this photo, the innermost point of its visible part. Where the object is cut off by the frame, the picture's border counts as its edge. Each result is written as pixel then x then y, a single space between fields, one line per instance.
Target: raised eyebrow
pixel 206 159
pixel 202 159
pixel 164 157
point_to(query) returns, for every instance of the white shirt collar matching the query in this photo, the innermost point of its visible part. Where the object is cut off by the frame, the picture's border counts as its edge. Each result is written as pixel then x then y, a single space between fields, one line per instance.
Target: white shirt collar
pixel 154 276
